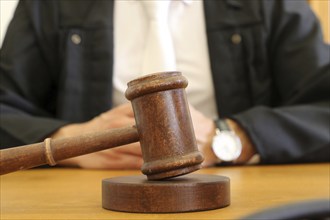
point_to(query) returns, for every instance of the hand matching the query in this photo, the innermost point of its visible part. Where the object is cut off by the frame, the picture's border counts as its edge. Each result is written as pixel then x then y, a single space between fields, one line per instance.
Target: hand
pixel 115 118
pixel 204 130
pixel 248 149
pixel 123 157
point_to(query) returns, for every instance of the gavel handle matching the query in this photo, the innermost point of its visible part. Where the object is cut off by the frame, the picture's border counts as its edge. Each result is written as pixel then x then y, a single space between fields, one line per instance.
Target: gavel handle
pixel 50 151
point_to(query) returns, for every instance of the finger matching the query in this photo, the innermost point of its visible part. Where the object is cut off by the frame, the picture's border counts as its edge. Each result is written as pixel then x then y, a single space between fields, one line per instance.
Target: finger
pixel 120 122
pixel 132 149
pixel 100 160
pixel 102 123
pixel 124 109
pixel 122 161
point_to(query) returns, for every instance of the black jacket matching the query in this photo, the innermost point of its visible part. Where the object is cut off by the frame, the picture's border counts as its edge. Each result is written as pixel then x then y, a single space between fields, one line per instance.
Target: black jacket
pixel 274 82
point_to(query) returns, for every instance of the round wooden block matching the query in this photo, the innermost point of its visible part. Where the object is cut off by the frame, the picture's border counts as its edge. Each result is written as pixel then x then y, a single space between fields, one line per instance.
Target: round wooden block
pixel 193 192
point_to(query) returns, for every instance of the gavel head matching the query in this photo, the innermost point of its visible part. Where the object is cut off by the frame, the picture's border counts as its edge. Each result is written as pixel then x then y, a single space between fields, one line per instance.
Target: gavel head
pixel 164 125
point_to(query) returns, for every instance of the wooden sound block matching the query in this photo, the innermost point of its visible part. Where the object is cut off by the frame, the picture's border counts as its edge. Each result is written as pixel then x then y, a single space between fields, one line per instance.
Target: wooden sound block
pixel 192 192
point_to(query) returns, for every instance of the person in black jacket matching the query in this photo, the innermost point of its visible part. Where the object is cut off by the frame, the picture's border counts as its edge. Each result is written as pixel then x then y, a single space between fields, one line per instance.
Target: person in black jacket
pixel 271 81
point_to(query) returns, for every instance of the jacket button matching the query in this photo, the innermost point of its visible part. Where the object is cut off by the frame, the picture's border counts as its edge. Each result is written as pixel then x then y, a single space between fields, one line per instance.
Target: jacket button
pixel 76 39
pixel 236 39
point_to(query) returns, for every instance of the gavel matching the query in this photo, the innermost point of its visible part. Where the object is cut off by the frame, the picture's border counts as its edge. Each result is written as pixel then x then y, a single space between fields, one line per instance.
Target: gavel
pixel 163 127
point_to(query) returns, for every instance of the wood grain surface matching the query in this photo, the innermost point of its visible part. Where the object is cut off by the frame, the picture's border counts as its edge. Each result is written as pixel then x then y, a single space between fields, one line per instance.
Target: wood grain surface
pixel 76 193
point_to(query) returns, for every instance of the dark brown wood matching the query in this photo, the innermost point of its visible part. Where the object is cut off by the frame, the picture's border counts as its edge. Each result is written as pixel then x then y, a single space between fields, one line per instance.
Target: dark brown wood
pixel 164 123
pixel 20 158
pixel 164 128
pixel 193 192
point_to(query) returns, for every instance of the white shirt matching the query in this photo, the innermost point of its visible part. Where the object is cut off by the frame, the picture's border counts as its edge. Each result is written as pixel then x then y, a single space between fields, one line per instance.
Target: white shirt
pixel 187 25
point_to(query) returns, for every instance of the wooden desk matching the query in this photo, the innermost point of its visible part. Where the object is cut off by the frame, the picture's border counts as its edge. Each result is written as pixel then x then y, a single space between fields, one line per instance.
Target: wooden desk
pixel 76 193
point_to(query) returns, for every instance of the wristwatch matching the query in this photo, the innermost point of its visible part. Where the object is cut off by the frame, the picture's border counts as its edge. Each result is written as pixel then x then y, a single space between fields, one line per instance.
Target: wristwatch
pixel 226 145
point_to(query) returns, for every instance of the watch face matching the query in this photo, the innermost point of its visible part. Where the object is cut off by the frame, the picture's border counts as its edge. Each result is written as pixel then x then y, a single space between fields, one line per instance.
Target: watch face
pixel 227 146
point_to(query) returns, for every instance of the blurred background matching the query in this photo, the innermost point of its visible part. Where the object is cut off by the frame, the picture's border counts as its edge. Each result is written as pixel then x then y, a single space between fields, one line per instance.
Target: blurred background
pixel 321 8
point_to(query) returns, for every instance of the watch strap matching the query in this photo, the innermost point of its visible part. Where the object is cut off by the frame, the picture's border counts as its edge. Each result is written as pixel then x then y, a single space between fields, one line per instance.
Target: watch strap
pixel 222 125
